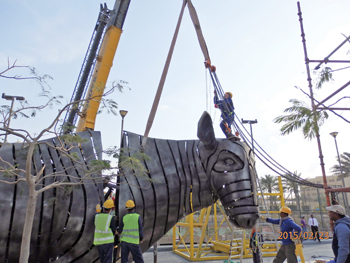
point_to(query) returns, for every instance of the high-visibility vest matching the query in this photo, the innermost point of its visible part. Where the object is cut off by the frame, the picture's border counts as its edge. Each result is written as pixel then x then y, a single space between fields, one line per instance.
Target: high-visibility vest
pixel 130 232
pixel 103 232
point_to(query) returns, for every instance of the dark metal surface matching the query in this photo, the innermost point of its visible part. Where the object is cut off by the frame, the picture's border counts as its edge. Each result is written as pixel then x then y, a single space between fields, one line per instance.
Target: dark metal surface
pixel 63 225
pixel 188 176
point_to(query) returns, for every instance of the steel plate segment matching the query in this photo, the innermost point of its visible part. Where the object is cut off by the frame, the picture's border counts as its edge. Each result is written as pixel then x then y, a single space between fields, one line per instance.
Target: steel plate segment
pixel 188 181
pixel 146 206
pixel 174 148
pixel 124 188
pixel 68 207
pixel 6 196
pixel 36 229
pixel 172 181
pixel 21 200
pixel 206 196
pixel 89 194
pixel 160 190
pixel 195 189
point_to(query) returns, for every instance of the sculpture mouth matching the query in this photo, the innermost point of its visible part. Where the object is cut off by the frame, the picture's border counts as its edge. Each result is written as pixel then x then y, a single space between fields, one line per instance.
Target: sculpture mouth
pixel 237 199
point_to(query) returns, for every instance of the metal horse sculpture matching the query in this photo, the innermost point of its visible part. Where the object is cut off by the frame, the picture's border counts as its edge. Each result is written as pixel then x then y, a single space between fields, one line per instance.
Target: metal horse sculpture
pixel 63 229
pixel 187 176
pixel 190 175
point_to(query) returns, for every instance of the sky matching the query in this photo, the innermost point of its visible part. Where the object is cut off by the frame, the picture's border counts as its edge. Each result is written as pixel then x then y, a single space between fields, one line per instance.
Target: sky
pixel 255 46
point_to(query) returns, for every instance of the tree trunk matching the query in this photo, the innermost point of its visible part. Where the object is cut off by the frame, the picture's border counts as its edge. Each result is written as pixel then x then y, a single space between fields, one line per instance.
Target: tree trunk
pixel 28 225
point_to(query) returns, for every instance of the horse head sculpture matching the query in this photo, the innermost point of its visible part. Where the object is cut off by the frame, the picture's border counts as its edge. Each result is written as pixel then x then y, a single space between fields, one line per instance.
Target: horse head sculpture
pixel 231 175
pixel 188 176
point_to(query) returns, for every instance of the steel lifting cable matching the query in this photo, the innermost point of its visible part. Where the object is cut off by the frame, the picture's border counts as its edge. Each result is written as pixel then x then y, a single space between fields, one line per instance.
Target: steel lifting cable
pixel 261 154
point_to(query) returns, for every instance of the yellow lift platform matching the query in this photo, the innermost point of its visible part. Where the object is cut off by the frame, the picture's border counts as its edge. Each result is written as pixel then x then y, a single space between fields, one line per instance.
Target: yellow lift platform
pixel 212 242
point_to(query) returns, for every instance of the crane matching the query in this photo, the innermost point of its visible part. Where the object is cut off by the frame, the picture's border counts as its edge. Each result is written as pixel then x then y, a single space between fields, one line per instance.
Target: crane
pixel 95 69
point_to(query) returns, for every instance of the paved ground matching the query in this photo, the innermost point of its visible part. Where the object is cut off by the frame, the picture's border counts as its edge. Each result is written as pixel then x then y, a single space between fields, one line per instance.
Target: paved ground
pixel 311 250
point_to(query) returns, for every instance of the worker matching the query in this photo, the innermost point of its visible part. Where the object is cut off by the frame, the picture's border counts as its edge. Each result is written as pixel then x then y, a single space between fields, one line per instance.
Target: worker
pixel 255 243
pixel 105 228
pixel 341 234
pixel 288 232
pixel 227 112
pixel 131 234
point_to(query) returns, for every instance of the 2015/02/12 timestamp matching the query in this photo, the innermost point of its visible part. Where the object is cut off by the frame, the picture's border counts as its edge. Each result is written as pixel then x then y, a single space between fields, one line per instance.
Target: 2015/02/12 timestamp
pixel 305 235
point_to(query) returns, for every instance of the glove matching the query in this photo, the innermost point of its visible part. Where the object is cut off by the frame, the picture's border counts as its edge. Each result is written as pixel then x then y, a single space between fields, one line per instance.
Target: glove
pixel 98 208
pixel 263 218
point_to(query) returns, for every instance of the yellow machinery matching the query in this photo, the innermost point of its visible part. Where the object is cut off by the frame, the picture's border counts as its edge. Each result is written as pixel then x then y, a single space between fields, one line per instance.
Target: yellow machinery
pixel 103 64
pixel 210 244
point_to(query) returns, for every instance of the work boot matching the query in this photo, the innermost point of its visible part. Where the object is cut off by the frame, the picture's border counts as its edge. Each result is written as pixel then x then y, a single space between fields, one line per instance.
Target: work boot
pixel 232 137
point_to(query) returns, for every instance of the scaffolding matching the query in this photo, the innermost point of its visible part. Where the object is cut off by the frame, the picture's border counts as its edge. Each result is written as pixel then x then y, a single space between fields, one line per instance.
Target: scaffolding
pixel 212 242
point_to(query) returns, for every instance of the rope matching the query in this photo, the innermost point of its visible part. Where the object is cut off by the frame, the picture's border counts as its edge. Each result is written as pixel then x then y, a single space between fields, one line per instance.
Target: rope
pixel 162 79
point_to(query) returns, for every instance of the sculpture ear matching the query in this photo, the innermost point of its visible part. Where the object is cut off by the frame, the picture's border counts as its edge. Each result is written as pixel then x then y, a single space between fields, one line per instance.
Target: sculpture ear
pixel 205 131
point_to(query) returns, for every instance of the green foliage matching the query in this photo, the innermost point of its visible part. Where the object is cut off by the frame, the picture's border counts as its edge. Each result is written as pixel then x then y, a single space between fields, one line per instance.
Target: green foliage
pixel 301 116
pixel 98 166
pixel 131 160
pixel 72 138
pixel 9 172
pixel 269 183
pixel 345 165
pixel 324 76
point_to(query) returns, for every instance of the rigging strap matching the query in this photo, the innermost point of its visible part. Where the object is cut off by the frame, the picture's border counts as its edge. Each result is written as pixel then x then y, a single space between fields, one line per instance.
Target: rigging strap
pixel 162 79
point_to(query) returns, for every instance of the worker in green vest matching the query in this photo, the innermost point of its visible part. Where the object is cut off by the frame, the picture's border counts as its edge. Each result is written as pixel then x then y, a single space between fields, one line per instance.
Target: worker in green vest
pixel 131 234
pixel 105 228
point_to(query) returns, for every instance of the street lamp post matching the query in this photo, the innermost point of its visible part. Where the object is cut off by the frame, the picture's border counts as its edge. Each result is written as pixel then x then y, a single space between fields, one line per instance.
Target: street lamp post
pixel 334 135
pixel 12 98
pixel 251 130
pixel 123 114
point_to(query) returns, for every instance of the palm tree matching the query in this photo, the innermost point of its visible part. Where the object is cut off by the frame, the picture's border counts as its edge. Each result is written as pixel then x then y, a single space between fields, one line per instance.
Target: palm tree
pixel 292 186
pixel 301 116
pixel 345 165
pixel 269 183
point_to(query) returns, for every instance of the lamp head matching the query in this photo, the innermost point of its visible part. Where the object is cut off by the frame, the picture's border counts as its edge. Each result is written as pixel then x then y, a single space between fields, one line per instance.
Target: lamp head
pixel 123 113
pixel 334 134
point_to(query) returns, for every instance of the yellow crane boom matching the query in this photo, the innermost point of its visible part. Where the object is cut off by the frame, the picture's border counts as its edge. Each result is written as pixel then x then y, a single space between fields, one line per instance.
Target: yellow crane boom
pixel 103 66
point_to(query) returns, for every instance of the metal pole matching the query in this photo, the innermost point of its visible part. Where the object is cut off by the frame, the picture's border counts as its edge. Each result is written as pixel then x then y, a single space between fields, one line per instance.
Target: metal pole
pixel 155 252
pixel 12 98
pixel 8 122
pixel 251 130
pixel 122 114
pixel 313 107
pixel 122 129
pixel 320 205
pixel 341 173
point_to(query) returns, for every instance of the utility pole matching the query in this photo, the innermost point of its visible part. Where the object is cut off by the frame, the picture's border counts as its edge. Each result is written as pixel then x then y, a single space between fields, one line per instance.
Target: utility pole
pixel 250 122
pixel 123 114
pixel 334 135
pixel 12 98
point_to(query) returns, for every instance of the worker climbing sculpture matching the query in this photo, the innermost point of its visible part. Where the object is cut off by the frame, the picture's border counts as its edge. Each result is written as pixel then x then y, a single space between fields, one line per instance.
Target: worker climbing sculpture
pixel 183 177
pixel 227 112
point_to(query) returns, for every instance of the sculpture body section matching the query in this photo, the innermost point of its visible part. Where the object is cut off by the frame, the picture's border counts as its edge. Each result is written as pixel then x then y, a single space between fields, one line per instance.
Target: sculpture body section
pixel 64 223
pixel 176 185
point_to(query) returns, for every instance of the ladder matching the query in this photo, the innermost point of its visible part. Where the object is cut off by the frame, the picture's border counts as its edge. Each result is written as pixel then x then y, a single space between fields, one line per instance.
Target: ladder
pixel 240 240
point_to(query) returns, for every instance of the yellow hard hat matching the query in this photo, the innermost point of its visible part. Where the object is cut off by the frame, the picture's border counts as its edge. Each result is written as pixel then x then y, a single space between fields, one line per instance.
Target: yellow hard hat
pixel 286 210
pixel 108 204
pixel 229 93
pixel 129 204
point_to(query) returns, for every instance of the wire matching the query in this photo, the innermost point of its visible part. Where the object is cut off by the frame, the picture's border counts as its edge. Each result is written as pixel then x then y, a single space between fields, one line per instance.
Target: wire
pixel 259 152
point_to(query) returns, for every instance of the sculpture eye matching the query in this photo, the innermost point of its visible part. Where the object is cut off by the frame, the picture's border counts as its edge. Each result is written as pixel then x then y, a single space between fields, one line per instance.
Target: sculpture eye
pixel 228 162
